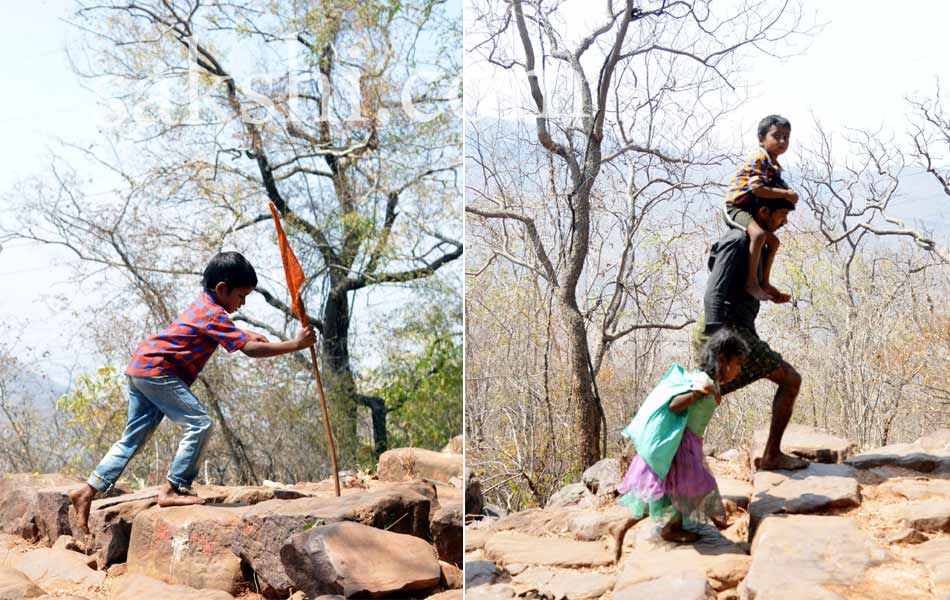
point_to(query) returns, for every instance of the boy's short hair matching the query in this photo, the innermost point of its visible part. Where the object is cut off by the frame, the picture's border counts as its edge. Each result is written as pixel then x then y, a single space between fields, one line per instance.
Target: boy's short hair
pixel 773 121
pixel 232 269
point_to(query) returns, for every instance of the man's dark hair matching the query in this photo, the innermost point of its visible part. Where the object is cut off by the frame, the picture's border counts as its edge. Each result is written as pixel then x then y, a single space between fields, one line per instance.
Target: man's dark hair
pixel 724 342
pixel 772 121
pixel 231 268
pixel 773 204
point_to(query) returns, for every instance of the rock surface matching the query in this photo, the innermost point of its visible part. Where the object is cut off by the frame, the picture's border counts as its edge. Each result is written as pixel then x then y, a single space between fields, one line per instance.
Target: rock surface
pixel 403 464
pixel 332 559
pixel 603 477
pixel 265 527
pixel 807 442
pixel 576 495
pixel 14 585
pixel 797 555
pixel 187 545
pixel 48 567
pixel 814 489
pixel 20 511
pixel 930 453
pixel 446 526
pixel 517 548
pixel 140 587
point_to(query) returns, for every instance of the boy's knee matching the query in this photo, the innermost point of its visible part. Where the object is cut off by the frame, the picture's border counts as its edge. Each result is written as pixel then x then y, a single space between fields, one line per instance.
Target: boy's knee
pixel 793 378
pixel 204 425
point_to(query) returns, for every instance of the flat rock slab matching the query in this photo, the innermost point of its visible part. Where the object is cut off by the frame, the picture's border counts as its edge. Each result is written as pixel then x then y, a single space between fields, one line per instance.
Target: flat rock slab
pixel 48 567
pixel 14 585
pixel 351 559
pixel 813 489
pixel 403 464
pixel 265 527
pixel 928 454
pixel 715 558
pixel 518 548
pixel 554 583
pixel 496 591
pixel 924 515
pixel 582 524
pixel 455 446
pixel 916 489
pixel 682 586
pixel 936 555
pixel 796 555
pixel 187 545
pixel 140 587
pixel 807 442
pixel 447 595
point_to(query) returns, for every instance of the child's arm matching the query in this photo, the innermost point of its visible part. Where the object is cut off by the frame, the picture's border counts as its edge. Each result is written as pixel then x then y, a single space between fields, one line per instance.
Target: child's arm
pixel 774 192
pixel 259 347
pixel 681 402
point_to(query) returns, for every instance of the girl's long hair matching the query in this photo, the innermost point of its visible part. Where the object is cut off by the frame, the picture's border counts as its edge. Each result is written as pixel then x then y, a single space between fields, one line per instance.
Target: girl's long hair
pixel 725 343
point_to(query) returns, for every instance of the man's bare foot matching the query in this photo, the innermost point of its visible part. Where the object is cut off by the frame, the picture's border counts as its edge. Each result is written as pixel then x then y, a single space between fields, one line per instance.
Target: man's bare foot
pixel 775 295
pixel 676 533
pixel 169 495
pixel 757 292
pixel 82 502
pixel 779 462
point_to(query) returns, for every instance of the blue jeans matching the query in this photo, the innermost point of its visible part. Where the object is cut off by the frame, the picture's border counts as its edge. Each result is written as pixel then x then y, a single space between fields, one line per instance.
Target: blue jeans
pixel 151 399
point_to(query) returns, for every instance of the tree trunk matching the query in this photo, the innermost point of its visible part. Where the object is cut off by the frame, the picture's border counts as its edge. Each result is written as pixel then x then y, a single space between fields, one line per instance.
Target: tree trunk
pixel 342 396
pixel 586 410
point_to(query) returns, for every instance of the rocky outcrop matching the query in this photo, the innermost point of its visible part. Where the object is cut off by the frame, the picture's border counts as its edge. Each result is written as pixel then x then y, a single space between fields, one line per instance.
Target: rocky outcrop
pixel 840 529
pixel 265 527
pixel 35 506
pixel 330 559
pixel 378 539
pixel 807 442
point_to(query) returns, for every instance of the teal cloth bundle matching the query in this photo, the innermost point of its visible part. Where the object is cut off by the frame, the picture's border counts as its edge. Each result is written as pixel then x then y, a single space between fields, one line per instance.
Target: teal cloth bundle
pixel 657 431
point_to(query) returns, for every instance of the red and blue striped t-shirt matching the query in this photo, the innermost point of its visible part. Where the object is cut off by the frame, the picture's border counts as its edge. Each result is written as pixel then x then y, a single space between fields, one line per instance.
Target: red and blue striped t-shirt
pixel 185 346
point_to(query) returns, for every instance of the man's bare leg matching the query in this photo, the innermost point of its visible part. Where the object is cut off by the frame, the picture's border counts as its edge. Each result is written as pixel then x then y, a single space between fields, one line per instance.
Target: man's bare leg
pixel 82 502
pixel 168 495
pixel 789 382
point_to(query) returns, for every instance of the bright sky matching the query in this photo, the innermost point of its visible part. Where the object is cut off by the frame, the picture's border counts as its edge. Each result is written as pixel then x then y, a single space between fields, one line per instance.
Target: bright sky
pixel 856 72
pixel 40 314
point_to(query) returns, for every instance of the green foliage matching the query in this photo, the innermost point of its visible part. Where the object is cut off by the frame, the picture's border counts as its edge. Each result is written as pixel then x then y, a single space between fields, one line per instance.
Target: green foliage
pixel 96 408
pixel 421 378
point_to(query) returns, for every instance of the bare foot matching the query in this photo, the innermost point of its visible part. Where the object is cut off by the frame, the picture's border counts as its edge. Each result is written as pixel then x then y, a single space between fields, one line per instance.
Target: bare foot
pixel 780 462
pixel 775 295
pixel 617 532
pixel 678 534
pixel 757 292
pixel 82 502
pixel 169 495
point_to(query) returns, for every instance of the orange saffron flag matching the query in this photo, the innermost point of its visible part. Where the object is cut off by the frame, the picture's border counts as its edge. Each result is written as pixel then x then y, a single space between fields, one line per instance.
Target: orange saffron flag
pixel 292 270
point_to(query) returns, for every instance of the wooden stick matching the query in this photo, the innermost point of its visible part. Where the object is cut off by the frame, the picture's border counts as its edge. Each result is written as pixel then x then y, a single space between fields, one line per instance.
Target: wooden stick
pixel 326 419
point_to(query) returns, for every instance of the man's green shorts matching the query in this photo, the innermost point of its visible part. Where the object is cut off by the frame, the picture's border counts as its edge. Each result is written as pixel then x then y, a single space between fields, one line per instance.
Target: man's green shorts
pixel 761 361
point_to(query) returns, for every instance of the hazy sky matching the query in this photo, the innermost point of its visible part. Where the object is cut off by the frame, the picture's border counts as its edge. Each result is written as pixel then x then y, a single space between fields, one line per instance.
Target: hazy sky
pixel 856 72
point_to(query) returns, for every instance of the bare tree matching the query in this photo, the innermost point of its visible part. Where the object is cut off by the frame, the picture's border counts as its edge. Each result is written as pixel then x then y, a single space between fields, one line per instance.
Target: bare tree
pixel 317 107
pixel 633 89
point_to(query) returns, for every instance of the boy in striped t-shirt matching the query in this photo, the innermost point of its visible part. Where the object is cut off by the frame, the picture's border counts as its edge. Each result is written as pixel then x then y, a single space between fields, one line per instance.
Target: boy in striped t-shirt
pixel 162 370
pixel 760 177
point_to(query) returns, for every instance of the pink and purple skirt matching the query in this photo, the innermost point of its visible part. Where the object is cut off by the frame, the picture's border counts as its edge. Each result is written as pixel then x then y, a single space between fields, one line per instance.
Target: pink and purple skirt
pixel 688 489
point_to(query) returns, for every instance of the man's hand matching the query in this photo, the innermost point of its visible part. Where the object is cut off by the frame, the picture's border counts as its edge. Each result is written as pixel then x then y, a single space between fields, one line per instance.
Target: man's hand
pixel 305 338
pixel 792 196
